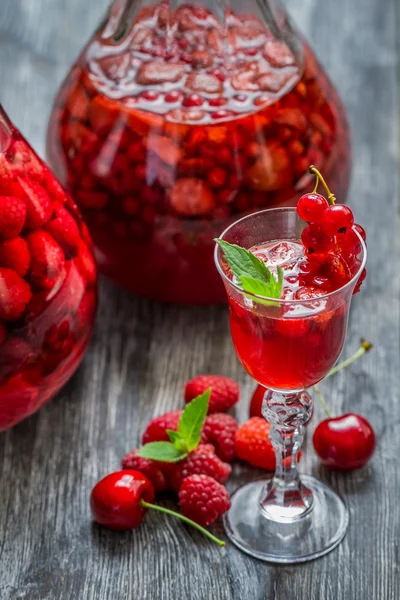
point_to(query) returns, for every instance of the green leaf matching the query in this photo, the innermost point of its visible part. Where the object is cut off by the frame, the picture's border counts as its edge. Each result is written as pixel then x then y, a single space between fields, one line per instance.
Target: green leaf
pixel 252 273
pixel 260 288
pixel 244 262
pixel 177 440
pixel 192 420
pixel 162 451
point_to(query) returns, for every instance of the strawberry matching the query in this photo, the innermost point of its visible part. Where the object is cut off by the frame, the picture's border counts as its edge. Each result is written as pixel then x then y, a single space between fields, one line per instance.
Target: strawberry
pixel 85 263
pixel 156 430
pixel 220 430
pixel 336 270
pixel 47 259
pixel 203 499
pixel 14 254
pixel 53 188
pixel 253 445
pixel 25 162
pixel 64 229
pixel 191 197
pixel 151 468
pixel 38 204
pixel 15 294
pixel 224 391
pixel 202 461
pixel 12 216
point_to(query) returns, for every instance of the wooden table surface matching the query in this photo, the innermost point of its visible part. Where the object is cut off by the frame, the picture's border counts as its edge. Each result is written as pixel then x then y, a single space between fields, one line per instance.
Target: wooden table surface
pixel 141 355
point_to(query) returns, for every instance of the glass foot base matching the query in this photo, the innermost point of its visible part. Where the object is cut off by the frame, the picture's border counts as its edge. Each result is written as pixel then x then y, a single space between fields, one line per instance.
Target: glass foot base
pixel 313 535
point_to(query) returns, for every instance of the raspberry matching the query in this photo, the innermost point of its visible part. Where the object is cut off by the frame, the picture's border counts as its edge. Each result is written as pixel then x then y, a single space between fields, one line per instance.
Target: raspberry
pixel 224 391
pixel 253 445
pixel 220 430
pixel 203 499
pixel 12 216
pixel 14 254
pixel 15 294
pixel 151 468
pixel 64 229
pixel 156 429
pixel 47 259
pixel 202 461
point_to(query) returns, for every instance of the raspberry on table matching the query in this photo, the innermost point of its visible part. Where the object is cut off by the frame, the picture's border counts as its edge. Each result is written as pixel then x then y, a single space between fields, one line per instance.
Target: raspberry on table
pixel 220 429
pixel 203 499
pixel 224 391
pixel 253 445
pixel 202 461
pixel 151 468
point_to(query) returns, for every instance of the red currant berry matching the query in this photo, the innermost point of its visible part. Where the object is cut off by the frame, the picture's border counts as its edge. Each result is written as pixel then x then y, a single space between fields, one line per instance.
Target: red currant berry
pixel 337 218
pixel 193 100
pixel 315 240
pixel 360 230
pixel 349 241
pixel 344 443
pixel 311 207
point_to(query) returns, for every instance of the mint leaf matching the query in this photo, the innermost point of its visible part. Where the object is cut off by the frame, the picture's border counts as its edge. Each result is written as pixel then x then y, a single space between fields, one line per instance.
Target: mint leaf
pixel 252 273
pixel 162 451
pixel 244 262
pixel 192 420
pixel 177 440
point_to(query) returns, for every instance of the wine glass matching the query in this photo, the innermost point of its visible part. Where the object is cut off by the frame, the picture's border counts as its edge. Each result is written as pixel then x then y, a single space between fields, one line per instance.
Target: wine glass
pixel 287 346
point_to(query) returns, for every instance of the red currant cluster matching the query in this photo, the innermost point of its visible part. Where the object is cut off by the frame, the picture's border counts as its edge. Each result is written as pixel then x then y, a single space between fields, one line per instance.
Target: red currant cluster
pixel 331 239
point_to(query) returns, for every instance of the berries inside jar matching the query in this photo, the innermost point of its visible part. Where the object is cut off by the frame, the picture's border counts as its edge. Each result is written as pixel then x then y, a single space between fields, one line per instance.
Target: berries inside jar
pixel 167 140
pixel 48 281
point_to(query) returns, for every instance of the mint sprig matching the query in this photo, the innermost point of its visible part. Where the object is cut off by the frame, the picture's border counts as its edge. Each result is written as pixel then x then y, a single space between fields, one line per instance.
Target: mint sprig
pixel 186 438
pixel 252 273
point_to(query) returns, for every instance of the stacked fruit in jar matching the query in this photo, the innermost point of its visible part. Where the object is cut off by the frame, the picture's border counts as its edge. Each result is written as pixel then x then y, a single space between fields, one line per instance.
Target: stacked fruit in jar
pixel 48 281
pixel 167 130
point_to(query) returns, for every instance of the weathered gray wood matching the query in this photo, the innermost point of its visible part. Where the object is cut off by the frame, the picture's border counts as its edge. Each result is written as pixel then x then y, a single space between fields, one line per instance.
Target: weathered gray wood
pixel 141 355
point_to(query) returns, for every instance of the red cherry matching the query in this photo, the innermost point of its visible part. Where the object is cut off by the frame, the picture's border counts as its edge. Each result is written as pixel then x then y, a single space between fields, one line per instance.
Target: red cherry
pixel 337 218
pixel 315 240
pixel 344 443
pixel 115 500
pixel 256 401
pixel 173 96
pixel 217 101
pixel 150 95
pixel 360 230
pixel 311 207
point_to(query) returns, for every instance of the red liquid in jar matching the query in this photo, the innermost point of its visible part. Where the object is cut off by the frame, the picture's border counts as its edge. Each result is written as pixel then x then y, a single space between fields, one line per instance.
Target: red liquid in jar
pixel 164 144
pixel 293 346
pixel 48 282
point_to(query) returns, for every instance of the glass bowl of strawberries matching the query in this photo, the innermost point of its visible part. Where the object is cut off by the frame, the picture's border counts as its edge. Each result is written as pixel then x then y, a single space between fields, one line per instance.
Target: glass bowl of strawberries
pixel 48 280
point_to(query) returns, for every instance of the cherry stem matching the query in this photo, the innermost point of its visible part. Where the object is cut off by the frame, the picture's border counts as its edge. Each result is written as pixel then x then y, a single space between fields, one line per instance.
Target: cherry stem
pixel 364 347
pixel 322 400
pixel 183 518
pixel 314 171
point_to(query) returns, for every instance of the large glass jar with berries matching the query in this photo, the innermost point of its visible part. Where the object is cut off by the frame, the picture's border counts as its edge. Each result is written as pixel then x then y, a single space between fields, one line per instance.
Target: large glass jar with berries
pixel 48 280
pixel 179 118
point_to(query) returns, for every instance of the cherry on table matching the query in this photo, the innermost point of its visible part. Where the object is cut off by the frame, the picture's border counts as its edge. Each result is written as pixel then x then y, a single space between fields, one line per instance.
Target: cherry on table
pixel 344 443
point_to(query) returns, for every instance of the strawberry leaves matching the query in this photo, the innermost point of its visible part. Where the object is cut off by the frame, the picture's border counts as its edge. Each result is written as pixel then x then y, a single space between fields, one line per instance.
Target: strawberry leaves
pixel 252 273
pixel 186 438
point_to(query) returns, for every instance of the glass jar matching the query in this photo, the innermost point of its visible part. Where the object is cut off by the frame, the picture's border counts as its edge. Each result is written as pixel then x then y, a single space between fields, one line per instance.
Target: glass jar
pixel 48 280
pixel 180 118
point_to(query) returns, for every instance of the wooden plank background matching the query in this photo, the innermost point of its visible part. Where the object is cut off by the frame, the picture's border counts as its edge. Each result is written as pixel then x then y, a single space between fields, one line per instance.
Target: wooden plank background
pixel 141 355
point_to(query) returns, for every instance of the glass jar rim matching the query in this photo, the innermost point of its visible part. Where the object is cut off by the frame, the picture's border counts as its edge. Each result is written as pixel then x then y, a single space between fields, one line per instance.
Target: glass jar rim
pixel 284 301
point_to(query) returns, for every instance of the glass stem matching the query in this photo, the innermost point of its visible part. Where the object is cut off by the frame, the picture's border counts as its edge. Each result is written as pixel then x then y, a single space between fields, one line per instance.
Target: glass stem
pixel 284 497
